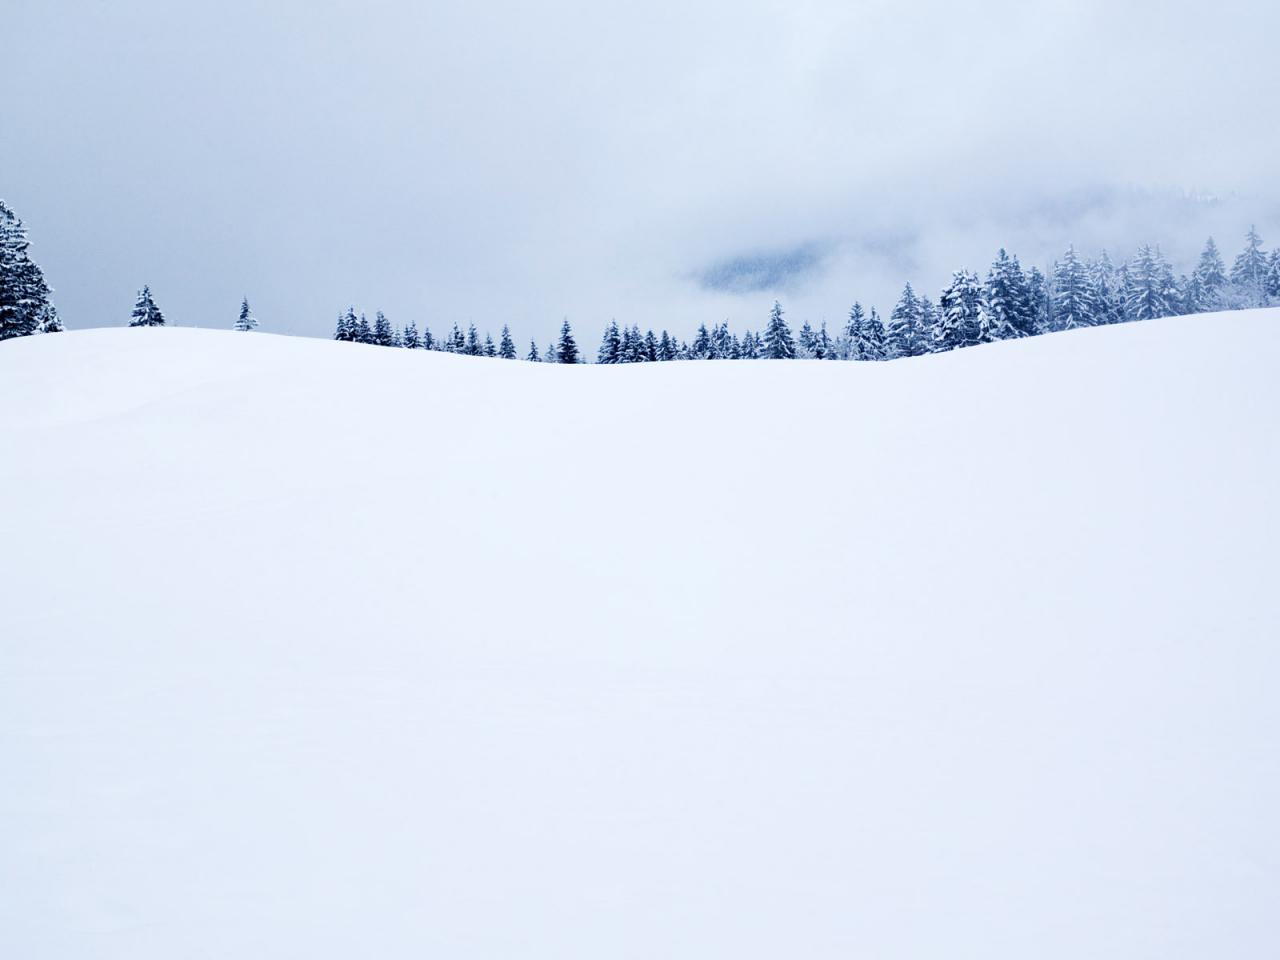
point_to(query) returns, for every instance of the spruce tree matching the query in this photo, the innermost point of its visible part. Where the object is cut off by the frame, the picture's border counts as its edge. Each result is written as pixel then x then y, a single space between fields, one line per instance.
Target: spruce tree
pixel 506 346
pixel 532 356
pixel 1249 272
pixel 778 343
pixel 805 342
pixel 1271 285
pixel 868 344
pixel 929 319
pixel 567 348
pixel 1210 278
pixel 902 334
pixel 382 331
pixel 823 348
pixel 1075 302
pixel 1040 300
pixel 610 345
pixel 490 348
pixel 666 347
pixel 1108 298
pixel 633 346
pixel 551 356
pixel 1007 309
pixel 1145 295
pixel 960 302
pixel 472 347
pixel 410 337
pixel 25 305
pixel 145 312
pixel 700 349
pixel 346 326
pixel 364 333
pixel 650 347
pixel 246 321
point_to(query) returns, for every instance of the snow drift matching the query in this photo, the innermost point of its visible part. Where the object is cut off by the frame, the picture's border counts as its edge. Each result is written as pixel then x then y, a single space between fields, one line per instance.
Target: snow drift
pixel 320 650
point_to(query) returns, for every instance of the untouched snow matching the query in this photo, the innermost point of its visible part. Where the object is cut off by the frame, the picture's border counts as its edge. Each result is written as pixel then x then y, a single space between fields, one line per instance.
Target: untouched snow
pixel 325 651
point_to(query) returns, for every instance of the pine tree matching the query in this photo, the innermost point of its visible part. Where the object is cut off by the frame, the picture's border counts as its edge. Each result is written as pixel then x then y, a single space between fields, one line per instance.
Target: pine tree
pixel 145 312
pixel 1146 294
pixel 1271 285
pixel 1007 309
pixel 382 331
pixel 778 343
pixel 346 329
pixel 823 348
pixel 1249 272
pixel 567 348
pixel 1108 297
pixel 410 337
pixel 490 349
pixel 364 333
pixel 666 347
pixel 506 346
pixel 805 342
pixel 1040 300
pixel 532 356
pixel 610 345
pixel 960 303
pixel 650 347
pixel 551 356
pixel 929 319
pixel 633 346
pixel 1075 302
pixel 25 305
pixel 247 321
pixel 722 343
pixel 700 349
pixel 429 342
pixel 902 332
pixel 1210 278
pixel 456 341
pixel 472 347
pixel 870 342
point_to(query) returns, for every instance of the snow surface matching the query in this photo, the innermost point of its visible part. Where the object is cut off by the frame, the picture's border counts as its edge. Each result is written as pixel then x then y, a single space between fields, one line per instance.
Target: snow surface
pixel 318 650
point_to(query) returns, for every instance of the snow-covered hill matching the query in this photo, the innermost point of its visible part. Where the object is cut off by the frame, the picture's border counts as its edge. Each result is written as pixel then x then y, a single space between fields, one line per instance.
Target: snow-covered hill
pixel 328 651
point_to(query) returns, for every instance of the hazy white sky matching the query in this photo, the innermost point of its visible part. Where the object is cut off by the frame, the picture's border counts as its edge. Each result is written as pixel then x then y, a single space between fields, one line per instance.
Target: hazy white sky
pixel 665 162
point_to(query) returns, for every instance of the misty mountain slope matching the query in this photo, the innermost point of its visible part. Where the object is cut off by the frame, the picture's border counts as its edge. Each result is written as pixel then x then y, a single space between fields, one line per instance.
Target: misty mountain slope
pixel 314 649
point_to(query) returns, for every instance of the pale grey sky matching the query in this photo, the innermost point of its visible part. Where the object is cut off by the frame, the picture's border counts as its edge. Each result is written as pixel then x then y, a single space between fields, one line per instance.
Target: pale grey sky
pixel 664 163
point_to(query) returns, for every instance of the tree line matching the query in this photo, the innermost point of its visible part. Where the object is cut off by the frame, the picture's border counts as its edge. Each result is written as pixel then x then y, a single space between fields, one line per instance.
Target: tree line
pixel 1007 303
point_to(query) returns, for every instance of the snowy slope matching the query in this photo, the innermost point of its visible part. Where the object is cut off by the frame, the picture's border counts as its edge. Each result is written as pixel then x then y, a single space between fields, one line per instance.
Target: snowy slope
pixel 328 651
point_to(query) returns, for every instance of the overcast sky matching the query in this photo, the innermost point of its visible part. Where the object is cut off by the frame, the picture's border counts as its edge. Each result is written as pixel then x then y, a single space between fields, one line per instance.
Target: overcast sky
pixel 664 163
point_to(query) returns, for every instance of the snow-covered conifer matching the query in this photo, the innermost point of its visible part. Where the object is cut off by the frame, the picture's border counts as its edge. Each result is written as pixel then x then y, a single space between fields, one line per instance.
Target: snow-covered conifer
pixel 650 347
pixel 567 348
pixel 145 312
pixel 25 304
pixel 960 303
pixel 1249 272
pixel 902 332
pixel 778 342
pixel 1007 309
pixel 246 321
pixel 666 347
pixel 1210 278
pixel 410 337
pixel 506 346
pixel 532 356
pixel 1075 301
